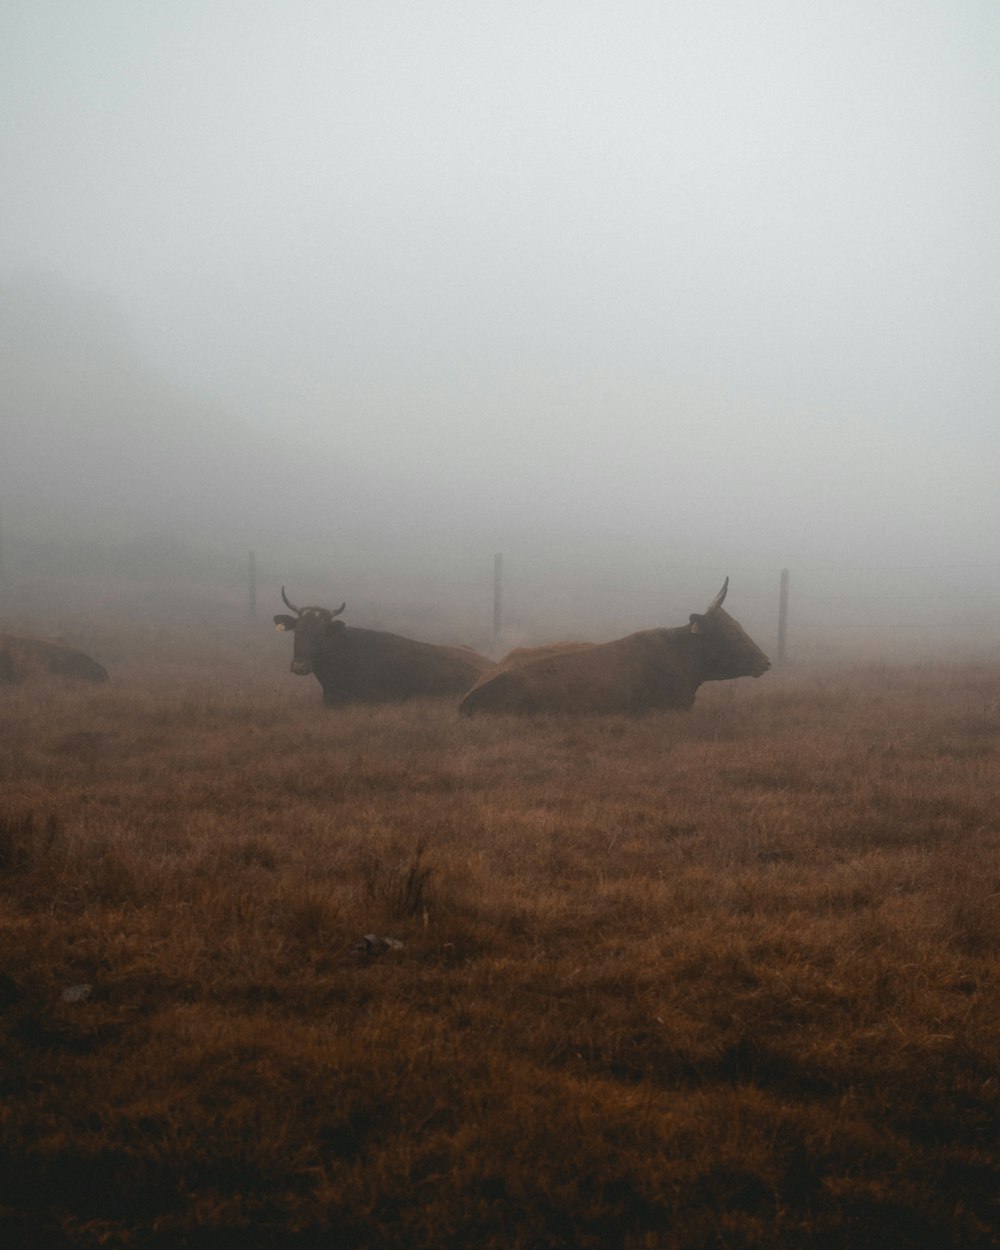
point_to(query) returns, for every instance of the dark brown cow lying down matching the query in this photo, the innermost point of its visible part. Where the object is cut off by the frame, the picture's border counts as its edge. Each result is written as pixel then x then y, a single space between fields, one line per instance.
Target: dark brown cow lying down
pixel 658 668
pixel 23 658
pixel 368 666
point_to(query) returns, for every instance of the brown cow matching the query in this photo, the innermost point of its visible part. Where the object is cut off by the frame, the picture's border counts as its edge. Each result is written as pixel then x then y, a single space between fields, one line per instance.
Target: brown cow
pixel 658 668
pixel 368 666
pixel 21 658
pixel 527 655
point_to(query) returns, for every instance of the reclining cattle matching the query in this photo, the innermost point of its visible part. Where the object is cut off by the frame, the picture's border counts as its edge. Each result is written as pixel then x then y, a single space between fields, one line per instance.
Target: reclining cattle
pixel 23 658
pixel 658 668
pixel 368 666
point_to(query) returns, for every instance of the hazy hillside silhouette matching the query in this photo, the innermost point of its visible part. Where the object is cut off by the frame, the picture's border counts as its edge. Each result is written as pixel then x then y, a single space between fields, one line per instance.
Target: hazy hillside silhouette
pixel 103 462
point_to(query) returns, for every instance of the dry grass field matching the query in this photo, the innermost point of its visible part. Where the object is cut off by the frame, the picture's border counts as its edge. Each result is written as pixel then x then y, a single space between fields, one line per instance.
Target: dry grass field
pixel 719 979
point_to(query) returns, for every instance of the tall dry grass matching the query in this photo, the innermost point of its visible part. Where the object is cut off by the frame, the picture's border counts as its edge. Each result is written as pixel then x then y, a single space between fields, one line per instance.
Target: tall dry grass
pixel 726 978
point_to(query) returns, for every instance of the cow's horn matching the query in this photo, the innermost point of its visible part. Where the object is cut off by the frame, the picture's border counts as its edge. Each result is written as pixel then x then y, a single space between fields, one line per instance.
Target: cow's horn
pixel 339 610
pixel 289 604
pixel 716 603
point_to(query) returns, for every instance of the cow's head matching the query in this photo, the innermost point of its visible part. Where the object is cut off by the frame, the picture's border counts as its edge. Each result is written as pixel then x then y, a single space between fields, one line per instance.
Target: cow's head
pixel 727 650
pixel 314 629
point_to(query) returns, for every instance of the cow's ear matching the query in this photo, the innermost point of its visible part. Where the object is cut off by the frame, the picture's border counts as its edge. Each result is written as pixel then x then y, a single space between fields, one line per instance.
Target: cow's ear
pixel 335 627
pixel 284 622
pixel 695 619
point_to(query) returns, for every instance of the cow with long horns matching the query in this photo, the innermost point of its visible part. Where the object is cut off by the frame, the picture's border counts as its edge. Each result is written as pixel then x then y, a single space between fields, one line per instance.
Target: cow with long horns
pixel 368 666
pixel 658 668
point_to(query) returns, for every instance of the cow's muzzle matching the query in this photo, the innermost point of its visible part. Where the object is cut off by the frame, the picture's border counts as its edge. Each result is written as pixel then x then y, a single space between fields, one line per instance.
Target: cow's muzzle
pixel 301 668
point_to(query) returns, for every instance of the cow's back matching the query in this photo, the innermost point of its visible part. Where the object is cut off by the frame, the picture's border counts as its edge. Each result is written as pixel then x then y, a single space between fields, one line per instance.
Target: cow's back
pixel 23 658
pixel 627 675
pixel 370 665
pixel 522 656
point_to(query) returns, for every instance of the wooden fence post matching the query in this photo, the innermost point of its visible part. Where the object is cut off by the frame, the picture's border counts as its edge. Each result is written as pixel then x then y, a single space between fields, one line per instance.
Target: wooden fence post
pixel 252 585
pixel 3 561
pixel 782 655
pixel 497 594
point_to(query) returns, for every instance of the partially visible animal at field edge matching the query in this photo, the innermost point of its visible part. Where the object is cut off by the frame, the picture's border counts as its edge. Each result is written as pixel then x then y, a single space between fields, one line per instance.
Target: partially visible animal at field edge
pixel 369 666
pixel 657 668
pixel 25 658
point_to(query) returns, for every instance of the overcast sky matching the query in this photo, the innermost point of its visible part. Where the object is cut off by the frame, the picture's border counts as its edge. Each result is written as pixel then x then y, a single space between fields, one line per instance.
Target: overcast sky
pixel 727 271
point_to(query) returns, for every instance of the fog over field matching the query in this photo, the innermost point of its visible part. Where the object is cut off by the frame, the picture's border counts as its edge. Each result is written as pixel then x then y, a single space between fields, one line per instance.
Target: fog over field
pixel 637 294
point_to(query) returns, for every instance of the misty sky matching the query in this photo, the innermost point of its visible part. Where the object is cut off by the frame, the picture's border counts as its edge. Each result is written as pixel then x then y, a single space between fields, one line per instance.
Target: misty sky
pixel 723 271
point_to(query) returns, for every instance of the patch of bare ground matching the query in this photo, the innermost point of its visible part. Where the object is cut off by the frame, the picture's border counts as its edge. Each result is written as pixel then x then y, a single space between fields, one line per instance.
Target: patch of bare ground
pixel 726 978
